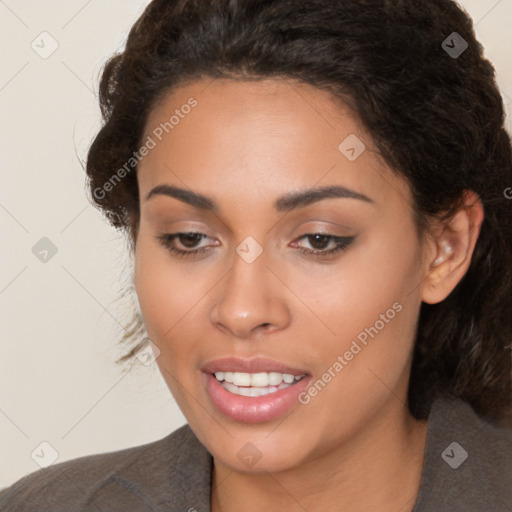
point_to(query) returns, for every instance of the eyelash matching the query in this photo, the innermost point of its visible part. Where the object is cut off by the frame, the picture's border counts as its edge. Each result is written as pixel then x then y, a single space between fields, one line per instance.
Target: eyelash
pixel 342 243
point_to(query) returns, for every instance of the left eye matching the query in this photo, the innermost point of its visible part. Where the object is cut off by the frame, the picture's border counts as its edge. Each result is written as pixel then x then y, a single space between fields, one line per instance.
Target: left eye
pixel 320 241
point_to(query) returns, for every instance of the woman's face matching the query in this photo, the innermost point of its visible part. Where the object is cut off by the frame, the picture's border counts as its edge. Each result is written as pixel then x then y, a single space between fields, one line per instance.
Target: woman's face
pixel 244 164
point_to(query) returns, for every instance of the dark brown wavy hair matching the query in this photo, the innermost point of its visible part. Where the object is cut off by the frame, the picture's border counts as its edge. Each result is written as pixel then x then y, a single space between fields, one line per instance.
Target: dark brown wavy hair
pixel 436 118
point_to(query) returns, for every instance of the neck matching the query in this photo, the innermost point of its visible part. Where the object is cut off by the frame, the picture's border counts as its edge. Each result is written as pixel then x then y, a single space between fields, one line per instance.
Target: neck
pixel 378 469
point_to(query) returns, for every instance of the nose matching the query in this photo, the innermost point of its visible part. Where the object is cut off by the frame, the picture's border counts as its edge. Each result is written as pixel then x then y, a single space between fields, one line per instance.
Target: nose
pixel 251 300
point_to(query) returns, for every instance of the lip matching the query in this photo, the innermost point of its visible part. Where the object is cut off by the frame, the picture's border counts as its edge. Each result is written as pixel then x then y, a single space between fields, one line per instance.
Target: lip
pixel 252 409
pixel 253 365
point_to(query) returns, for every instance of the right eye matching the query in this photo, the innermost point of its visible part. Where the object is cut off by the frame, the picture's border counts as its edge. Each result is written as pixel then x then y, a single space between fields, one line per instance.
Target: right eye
pixel 185 239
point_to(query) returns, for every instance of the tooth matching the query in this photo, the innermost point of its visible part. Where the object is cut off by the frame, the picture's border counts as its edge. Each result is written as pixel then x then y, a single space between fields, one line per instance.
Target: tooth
pixel 230 387
pixel 219 375
pixel 288 378
pixel 241 379
pixel 259 379
pixel 245 391
pixel 275 378
pixel 228 376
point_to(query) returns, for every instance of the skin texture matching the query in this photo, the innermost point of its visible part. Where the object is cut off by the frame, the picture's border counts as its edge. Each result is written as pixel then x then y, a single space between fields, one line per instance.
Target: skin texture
pixel 244 145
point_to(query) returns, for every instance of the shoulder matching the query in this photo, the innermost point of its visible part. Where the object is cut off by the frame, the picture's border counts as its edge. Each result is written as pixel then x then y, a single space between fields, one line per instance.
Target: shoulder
pixel 141 478
pixel 468 461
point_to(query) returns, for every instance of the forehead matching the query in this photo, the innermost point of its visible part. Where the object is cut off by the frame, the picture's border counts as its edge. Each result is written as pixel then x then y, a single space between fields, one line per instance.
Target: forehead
pixel 282 107
pixel 262 135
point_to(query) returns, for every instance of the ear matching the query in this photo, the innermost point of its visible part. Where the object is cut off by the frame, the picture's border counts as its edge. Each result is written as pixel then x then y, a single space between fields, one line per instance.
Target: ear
pixel 451 249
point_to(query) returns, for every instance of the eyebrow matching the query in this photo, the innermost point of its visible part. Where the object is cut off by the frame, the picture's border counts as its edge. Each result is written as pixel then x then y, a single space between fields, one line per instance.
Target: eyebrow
pixel 285 203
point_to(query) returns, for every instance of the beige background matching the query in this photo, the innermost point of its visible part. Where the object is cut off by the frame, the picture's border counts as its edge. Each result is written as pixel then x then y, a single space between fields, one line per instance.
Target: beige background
pixel 60 319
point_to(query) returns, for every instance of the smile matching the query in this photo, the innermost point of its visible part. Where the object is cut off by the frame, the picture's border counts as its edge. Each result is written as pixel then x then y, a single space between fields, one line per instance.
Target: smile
pixel 255 384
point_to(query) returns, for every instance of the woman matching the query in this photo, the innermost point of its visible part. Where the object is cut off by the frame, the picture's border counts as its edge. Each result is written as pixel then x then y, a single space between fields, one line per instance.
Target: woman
pixel 315 193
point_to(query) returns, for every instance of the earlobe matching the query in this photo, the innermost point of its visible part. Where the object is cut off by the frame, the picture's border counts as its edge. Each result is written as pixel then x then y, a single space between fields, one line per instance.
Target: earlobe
pixel 454 245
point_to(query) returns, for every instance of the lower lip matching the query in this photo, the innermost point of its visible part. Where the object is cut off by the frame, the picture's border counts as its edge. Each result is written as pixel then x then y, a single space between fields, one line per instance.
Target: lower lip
pixel 254 409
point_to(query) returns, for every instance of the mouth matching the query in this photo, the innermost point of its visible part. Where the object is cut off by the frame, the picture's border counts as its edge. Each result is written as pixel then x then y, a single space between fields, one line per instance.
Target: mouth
pixel 253 390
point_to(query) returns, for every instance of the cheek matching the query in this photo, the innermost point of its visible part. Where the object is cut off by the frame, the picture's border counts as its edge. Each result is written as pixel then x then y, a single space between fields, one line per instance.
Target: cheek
pixel 352 294
pixel 366 308
pixel 169 300
pixel 167 294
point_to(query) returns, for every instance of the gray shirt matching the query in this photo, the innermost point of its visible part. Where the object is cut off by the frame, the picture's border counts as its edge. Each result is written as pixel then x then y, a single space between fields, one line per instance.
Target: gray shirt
pixel 467 468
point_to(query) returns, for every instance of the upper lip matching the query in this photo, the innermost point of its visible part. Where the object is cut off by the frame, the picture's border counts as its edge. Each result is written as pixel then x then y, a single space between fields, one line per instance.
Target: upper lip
pixel 253 365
